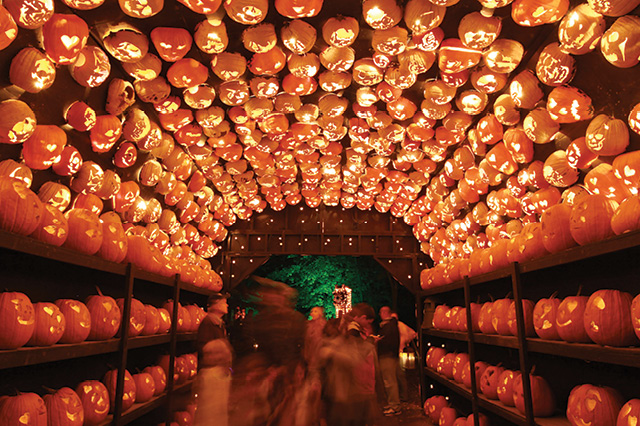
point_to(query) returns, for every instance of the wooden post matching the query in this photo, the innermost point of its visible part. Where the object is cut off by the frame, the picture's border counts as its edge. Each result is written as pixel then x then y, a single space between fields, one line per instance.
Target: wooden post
pixel 124 344
pixel 421 350
pixel 472 353
pixel 522 343
pixel 172 347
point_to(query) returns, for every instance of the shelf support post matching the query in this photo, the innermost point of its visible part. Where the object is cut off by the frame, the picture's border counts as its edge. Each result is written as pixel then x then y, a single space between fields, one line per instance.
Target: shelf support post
pixel 421 351
pixel 172 347
pixel 522 343
pixel 124 343
pixel 472 352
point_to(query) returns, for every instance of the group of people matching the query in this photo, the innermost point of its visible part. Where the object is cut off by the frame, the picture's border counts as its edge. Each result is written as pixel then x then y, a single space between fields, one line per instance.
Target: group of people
pixel 281 369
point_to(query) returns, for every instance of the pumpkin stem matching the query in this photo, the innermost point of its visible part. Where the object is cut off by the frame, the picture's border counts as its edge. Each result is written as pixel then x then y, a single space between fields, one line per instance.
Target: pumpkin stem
pixel 508 296
pixel 99 292
pixel 533 370
pixel 555 293
pixel 491 297
pixel 48 389
pixel 579 290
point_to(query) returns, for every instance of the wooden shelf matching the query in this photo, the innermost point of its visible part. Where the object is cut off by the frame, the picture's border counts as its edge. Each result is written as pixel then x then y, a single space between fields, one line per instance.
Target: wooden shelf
pixel 139 410
pixel 574 254
pixel 33 247
pixel 628 356
pixel 509 413
pixel 38 355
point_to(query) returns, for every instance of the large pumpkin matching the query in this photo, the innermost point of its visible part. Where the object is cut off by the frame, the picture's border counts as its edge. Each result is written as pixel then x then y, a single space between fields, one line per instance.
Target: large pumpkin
pixel 544 318
pixel 64 36
pixel 85 231
pixel 20 208
pixel 18 320
pixel 129 392
pixel 556 234
pixel 26 409
pixel 159 378
pixel 570 319
pixel 590 219
pixel 137 317
pixel 95 401
pixel 64 408
pixel 105 317
pixel 607 318
pixel 629 413
pixel 544 403
pixel 593 405
pixel 50 325
pixel 77 320
pixel 145 387
pixel 489 381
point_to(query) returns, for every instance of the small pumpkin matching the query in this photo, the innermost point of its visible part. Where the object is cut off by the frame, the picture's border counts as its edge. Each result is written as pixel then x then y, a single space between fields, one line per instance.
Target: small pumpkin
pixel 159 378
pixel 504 390
pixel 145 387
pixel 489 381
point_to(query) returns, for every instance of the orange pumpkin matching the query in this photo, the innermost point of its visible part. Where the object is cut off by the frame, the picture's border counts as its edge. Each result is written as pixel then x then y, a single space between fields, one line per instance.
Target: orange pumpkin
pixel 44 147
pixel 628 412
pixel 49 326
pixel 607 318
pixel 141 10
pixel 590 219
pixel 31 70
pixel 202 6
pixel 489 381
pixel 542 396
pixel 17 121
pixel 152 321
pixel 531 13
pixel 554 66
pixel 8 28
pixel 527 310
pixel 145 387
pixel 159 378
pixel 607 135
pixel 18 318
pixel 171 44
pixel 77 320
pixel 69 163
pixel 95 401
pixel 298 8
pixel 105 317
pixel 105 133
pixel 64 408
pixel 53 228
pixel 15 409
pixel 64 36
pixel 21 210
pixel 504 389
pixel 620 44
pixel 247 12
pixel 30 14
pixel 569 319
pixel 433 407
pixel 593 405
pixel 567 104
pixel 129 393
pixel 137 317
pixel 480 367
pixel 85 231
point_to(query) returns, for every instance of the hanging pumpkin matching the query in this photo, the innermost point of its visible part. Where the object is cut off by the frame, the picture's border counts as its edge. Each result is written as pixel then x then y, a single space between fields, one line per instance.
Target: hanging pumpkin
pixel 542 396
pixel 44 147
pixel 105 317
pixel 593 405
pixel 607 135
pixel 478 31
pixel 77 320
pixel 531 13
pixel 340 31
pixel 31 70
pixel 64 36
pixel 23 409
pixel 607 318
pixel 64 408
pixel 95 401
pixel 30 14
pixel 554 66
pixel 129 388
pixel 141 10
pixel 18 318
pixel 145 387
pixel 17 121
pixel 420 17
pixel 171 44
pixel 21 210
pixel 247 12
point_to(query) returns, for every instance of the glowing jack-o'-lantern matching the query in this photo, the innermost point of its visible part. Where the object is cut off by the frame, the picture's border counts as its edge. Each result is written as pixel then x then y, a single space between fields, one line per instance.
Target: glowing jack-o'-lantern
pixel 340 31
pixel 88 179
pixel 268 63
pixel 30 14
pixel 187 72
pixel 607 318
pixel 91 67
pixel 31 70
pixel 105 133
pixel 171 43
pixel 44 147
pixel 260 39
pixel 613 8
pixel 17 121
pixel 531 13
pixel 540 127
pixel 558 172
pixel 505 110
pixel 567 104
pixel 478 31
pixel 141 9
pixel 503 55
pixel 607 135
pixel 228 66
pixel 580 30
pixel 519 145
pixel 593 405
pixel 298 8
pixel 555 67
pixel 487 81
pixel 8 28
pixel 472 102
pixel 126 44
pixel 83 4
pixel 147 68
pixel 525 90
pixel 620 44
pixel 298 36
pixel 202 6
pixel 454 57
pixel 382 14
pixel 247 12
pixel 64 36
pixel 211 38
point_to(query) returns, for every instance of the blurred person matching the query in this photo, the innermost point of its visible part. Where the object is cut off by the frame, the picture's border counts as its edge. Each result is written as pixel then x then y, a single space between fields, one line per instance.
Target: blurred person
pixel 407 335
pixel 214 365
pixel 388 351
pixel 313 334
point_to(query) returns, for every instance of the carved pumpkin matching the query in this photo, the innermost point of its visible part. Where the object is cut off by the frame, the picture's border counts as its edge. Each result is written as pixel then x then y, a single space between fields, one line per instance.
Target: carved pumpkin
pixel 593 405
pixel 542 396
pixel 607 318
pixel 44 147
pixel 8 28
pixel 91 67
pixel 64 408
pixel 433 407
pixel 504 390
pixel 21 210
pixel 64 36
pixel 434 355
pixel 53 228
pixel 141 10
pixel 31 70
pixel 129 392
pixel 70 162
pixel 49 326
pixel 567 104
pixel 590 219
pixel 247 12
pixel 137 317
pixel 480 367
pixel 145 387
pixel 544 318
pixel 23 409
pixel 165 321
pixel 489 381
pixel 77 320
pixel 629 412
pixel 159 378
pixel 499 316
pixel 95 401
pixel 85 231
pixel 570 319
pixel 485 318
pixel 607 135
pixel 459 362
pixel 105 317
pixel 30 14
pixel 18 318
pixel 152 321
pixel 620 44
pixel 527 307
pixel 17 121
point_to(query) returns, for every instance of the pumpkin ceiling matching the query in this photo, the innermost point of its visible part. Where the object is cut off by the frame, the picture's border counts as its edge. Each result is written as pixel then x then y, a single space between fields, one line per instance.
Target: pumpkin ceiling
pixel 467 119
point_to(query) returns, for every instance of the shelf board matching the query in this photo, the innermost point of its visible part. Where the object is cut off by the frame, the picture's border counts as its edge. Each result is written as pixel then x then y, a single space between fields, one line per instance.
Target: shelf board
pixel 194 289
pixel 574 254
pixel 509 413
pixel 586 351
pixel 38 248
pixel 38 355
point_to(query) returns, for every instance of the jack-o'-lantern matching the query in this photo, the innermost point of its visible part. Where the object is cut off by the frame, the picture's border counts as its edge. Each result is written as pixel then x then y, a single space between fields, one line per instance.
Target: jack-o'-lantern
pixel 17 121
pixel 64 36
pixel 247 12
pixel 105 133
pixel 31 70
pixel 171 44
pixel 44 147
pixel 141 10
pixel 340 31
pixel 30 14
pixel 129 388
pixel 8 28
pixel 567 104
pixel 555 67
pixel 80 116
pixel 620 44
pixel 607 318
pixel 594 405
pixel 91 67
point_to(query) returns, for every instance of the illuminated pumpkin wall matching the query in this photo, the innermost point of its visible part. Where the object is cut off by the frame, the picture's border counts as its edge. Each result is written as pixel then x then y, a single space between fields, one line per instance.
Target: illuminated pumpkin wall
pixel 468 120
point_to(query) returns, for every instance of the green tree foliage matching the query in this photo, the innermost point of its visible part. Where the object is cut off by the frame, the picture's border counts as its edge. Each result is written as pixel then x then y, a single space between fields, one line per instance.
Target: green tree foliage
pixel 315 277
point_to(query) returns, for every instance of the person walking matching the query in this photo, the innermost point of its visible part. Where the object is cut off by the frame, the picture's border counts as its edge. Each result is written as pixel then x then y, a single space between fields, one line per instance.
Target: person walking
pixel 388 349
pixel 213 381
